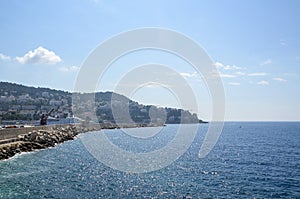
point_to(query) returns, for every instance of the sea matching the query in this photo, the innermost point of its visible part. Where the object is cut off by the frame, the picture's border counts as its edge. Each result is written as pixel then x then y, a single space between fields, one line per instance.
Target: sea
pixel 249 160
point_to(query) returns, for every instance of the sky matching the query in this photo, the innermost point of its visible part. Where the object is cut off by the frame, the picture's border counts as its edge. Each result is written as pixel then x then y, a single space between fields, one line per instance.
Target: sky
pixel 255 46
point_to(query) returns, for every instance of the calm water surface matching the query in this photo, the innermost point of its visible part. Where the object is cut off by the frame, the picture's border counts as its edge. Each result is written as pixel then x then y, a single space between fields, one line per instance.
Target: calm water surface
pixel 250 160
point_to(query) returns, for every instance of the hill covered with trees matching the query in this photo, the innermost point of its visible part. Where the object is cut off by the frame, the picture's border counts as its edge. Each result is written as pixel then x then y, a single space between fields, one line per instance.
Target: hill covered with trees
pixel 19 102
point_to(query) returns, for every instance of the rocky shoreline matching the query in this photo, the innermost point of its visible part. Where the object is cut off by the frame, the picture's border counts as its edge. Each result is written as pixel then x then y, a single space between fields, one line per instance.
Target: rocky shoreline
pixel 39 139
pixel 44 138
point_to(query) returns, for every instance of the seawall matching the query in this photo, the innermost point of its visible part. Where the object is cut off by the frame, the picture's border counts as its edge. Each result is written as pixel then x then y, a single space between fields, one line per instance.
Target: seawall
pixel 14 141
pixel 14 132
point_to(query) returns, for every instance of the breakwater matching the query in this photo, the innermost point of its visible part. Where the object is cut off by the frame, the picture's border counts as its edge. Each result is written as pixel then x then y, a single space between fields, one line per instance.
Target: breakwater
pixel 37 138
pixel 13 141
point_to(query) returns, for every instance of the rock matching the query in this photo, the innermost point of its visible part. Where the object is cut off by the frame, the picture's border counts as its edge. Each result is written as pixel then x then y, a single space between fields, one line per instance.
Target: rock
pixel 41 139
pixel 33 136
pixel 21 137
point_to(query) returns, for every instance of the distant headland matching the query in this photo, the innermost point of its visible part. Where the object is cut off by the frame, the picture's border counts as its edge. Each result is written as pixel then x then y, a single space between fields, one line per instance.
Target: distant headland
pixel 21 104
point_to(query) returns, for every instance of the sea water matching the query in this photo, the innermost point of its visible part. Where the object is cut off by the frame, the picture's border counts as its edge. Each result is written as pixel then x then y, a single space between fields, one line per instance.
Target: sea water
pixel 250 160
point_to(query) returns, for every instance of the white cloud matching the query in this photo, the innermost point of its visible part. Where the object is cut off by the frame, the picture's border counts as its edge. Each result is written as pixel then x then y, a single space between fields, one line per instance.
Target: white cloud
pixel 4 57
pixel 257 74
pixel 279 79
pixel 39 55
pixel 232 67
pixel 153 85
pixel 69 69
pixel 227 67
pixel 189 74
pixel 266 62
pixel 234 83
pixel 226 75
pixel 282 42
pixel 264 83
pixel 219 74
pixel 240 73
pixel 219 65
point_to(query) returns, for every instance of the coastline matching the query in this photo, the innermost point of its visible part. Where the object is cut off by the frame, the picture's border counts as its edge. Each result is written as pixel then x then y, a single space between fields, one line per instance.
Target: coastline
pixel 15 141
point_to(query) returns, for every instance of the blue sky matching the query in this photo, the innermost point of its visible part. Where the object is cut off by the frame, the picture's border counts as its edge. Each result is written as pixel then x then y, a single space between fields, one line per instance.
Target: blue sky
pixel 255 44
